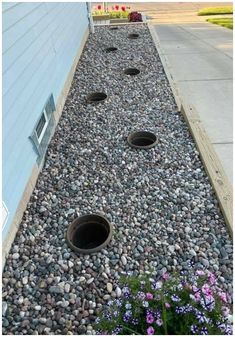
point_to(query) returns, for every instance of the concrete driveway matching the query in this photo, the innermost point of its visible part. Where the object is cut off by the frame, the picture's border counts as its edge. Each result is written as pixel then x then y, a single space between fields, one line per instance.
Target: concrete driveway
pixel 200 59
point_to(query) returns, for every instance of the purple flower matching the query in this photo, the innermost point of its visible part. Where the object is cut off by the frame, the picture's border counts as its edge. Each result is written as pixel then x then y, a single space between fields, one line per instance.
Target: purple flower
pixel 118 303
pixel 204 331
pixel 108 316
pixel 149 319
pixel 167 305
pixel 208 303
pixel 175 298
pixel 145 304
pixel 159 322
pixel 179 310
pixel 150 330
pixel 194 329
pixel 135 321
pixel 149 296
pixel 127 316
pixel 200 273
pixel 117 330
pixel 141 295
pixel 201 317
pixel 128 306
pixel 156 285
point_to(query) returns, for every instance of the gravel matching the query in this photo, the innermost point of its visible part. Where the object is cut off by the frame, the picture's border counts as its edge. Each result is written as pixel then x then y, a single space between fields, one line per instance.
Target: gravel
pixel 160 201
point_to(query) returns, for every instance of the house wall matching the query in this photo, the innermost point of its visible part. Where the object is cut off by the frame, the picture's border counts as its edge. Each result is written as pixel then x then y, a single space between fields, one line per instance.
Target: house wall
pixel 41 42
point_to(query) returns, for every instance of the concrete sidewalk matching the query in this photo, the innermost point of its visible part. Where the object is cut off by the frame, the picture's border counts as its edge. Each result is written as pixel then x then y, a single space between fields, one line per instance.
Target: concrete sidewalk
pixel 200 61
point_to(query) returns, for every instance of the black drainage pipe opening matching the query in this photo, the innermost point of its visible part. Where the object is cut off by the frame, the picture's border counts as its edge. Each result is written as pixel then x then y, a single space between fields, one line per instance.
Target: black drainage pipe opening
pixel 142 140
pixel 133 36
pixel 110 49
pixel 89 233
pixel 96 97
pixel 113 28
pixel 131 71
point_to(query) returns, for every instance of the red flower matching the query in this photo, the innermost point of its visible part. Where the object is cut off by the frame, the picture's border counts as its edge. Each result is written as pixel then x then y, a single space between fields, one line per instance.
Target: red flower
pixel 117 7
pixel 99 7
pixel 123 8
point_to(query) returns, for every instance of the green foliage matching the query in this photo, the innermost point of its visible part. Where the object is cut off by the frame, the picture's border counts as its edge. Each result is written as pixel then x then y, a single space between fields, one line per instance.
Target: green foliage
pixel 224 22
pixel 216 10
pixel 167 306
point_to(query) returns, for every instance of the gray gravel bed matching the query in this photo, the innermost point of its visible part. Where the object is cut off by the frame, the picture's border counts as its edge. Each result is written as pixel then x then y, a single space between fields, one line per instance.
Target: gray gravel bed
pixel 160 201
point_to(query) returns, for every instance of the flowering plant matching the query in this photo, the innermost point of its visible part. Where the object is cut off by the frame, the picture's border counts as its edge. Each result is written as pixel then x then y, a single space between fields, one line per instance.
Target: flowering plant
pixel 135 17
pixel 176 305
pixel 115 12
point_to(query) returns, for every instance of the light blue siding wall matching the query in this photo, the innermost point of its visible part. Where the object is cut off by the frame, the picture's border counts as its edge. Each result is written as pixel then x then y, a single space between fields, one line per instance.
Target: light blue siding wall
pixel 40 42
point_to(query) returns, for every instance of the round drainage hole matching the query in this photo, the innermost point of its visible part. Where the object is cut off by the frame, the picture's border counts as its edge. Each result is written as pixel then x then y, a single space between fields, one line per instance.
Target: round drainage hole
pixel 133 36
pixel 142 140
pixel 131 71
pixel 113 28
pixel 96 97
pixel 89 233
pixel 110 49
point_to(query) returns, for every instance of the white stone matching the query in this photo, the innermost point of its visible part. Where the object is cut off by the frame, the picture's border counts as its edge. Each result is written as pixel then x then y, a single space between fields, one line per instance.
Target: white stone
pixel 38 307
pixel 25 280
pixel 124 260
pixel 118 292
pixel 67 287
pixel 109 287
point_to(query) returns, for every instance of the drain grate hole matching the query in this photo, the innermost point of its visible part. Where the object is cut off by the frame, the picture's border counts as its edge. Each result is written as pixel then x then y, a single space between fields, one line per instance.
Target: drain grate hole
pixel 133 36
pixel 96 97
pixel 110 49
pixel 142 139
pixel 132 71
pixel 89 233
pixel 113 28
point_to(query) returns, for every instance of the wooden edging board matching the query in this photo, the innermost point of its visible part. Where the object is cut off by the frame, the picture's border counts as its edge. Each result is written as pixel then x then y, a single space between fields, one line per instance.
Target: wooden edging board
pixel 209 157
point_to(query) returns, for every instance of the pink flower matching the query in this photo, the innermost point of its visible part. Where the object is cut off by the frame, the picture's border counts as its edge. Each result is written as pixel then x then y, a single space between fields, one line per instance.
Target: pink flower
pixel 197 296
pixel 206 289
pixel 211 278
pixel 165 276
pixel 149 296
pixel 225 311
pixel 150 330
pixel 159 322
pixel 150 319
pixel 117 7
pixel 167 305
pixel 99 7
pixel 200 273
pixel 223 296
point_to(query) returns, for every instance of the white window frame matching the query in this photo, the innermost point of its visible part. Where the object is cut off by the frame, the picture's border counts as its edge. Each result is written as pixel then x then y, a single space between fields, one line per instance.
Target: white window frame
pixel 5 214
pixel 44 128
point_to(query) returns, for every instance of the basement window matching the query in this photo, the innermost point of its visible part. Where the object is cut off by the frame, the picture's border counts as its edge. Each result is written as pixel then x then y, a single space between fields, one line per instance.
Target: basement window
pixel 41 126
pixel 43 130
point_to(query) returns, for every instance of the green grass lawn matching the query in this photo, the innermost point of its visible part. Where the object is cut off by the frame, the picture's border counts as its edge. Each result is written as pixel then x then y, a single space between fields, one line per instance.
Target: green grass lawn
pixel 216 10
pixel 225 22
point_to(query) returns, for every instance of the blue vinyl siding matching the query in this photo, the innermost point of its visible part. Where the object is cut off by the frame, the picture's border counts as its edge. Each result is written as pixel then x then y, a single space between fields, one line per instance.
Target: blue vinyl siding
pixel 40 41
